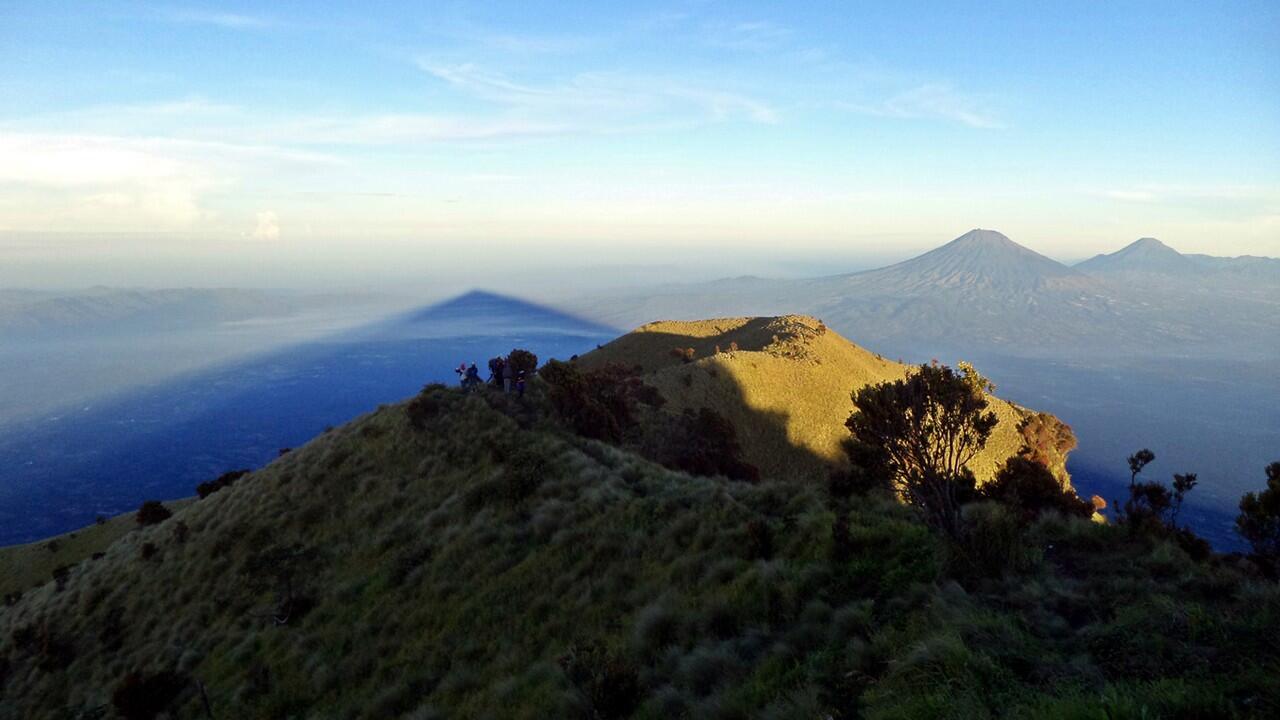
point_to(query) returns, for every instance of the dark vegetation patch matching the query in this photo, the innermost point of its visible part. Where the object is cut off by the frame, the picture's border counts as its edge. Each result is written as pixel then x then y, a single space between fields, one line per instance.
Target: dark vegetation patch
pixel 152 512
pixel 227 479
pixel 477 556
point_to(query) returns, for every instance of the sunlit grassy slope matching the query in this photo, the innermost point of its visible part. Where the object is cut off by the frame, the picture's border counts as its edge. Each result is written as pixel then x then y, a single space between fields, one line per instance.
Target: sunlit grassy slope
pixel 489 564
pixel 786 388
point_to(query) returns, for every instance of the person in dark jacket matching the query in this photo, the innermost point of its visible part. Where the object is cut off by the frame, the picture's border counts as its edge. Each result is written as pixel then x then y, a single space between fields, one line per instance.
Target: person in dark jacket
pixel 495 370
pixel 472 377
pixel 508 375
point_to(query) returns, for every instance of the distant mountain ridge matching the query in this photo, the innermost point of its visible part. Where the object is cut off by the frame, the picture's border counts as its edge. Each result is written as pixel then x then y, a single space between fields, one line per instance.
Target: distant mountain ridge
pixel 123 310
pixel 983 290
pixel 984 259
pixel 1143 255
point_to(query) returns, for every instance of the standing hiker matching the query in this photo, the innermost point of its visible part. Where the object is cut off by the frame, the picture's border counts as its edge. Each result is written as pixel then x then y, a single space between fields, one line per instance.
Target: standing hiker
pixel 508 375
pixel 495 371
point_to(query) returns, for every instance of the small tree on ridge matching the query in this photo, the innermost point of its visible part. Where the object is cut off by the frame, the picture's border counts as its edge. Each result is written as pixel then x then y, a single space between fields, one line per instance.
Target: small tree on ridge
pixel 927 428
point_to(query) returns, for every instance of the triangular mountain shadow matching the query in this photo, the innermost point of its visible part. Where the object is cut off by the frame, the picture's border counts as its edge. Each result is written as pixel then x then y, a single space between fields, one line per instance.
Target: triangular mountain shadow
pixel 159 442
pixel 481 304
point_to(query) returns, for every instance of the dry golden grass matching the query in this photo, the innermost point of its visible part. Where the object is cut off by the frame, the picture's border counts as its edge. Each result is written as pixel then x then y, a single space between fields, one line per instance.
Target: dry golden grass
pixel 787 388
pixel 23 567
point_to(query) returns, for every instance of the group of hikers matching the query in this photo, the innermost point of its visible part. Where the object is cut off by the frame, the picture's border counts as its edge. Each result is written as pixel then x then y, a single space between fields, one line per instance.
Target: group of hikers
pixel 502 373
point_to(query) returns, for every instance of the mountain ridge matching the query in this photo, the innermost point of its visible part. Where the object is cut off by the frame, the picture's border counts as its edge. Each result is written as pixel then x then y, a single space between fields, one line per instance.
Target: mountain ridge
pixel 984 291
pixel 460 555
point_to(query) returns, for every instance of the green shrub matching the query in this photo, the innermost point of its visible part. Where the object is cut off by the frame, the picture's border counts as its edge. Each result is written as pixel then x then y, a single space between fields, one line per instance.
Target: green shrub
pixel 227 479
pixel 152 512
pixel 699 443
pixel 1028 488
pixel 924 430
pixel 1259 519
pixel 598 404
pixel 522 361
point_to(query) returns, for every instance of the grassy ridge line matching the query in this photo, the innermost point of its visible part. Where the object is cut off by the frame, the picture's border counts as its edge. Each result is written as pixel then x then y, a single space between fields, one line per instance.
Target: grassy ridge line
pixel 25 566
pixel 787 388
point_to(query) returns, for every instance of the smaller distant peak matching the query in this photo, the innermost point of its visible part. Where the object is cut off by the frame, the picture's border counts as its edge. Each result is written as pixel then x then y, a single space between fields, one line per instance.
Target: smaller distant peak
pixel 1148 242
pixel 983 236
pixel 1147 246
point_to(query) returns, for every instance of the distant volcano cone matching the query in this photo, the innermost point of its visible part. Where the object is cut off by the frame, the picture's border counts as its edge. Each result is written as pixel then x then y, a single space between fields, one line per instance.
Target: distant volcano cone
pixel 979 259
pixel 1147 255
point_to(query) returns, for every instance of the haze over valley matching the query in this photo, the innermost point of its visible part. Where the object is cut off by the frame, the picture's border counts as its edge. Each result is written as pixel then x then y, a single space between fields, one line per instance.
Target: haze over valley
pixel 661 360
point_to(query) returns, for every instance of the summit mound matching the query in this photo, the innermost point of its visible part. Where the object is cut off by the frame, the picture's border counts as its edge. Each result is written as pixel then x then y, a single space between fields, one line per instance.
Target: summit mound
pixel 786 384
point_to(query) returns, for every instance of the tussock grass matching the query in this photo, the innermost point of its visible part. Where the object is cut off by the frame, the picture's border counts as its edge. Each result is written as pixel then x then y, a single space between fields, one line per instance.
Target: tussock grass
pixel 481 562
pixel 23 567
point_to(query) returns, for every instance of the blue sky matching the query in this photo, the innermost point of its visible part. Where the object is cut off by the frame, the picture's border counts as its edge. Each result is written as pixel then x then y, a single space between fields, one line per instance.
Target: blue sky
pixel 388 135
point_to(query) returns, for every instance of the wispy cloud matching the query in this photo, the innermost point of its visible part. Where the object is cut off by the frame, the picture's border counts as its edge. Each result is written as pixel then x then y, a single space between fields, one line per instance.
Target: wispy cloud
pixel 638 99
pixel 528 44
pixel 931 101
pixel 755 35
pixel 231 21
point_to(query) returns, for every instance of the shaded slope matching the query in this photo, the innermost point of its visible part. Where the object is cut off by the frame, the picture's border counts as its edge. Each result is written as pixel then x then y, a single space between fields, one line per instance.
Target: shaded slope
pixel 159 442
pixel 786 387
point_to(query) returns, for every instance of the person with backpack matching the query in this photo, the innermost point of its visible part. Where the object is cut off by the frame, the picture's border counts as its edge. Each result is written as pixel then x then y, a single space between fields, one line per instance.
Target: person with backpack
pixel 508 375
pixel 472 377
pixel 520 378
pixel 495 370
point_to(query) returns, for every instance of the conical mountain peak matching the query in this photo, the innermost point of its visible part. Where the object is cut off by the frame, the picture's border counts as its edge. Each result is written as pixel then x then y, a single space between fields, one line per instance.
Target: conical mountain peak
pixel 1145 255
pixel 980 258
pixel 983 237
pixel 1148 245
